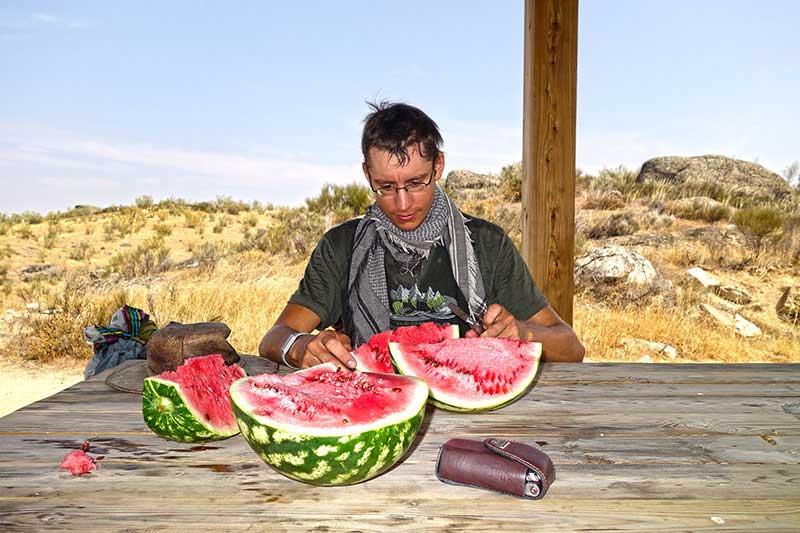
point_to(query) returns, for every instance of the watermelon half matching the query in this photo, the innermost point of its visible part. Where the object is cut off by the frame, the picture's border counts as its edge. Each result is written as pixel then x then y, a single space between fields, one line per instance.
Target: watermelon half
pixel 470 374
pixel 192 404
pixel 328 426
pixel 373 355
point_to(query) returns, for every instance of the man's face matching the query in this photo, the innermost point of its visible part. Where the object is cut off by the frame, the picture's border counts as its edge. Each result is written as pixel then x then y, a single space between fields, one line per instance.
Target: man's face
pixel 406 210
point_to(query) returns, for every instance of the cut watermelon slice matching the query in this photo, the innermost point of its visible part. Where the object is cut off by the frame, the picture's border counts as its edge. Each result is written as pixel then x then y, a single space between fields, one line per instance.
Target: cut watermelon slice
pixel 373 355
pixel 470 374
pixel 192 404
pixel 328 426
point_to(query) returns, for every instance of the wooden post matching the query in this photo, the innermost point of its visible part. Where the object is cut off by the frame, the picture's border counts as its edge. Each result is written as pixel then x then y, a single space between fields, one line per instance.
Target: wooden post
pixel 548 148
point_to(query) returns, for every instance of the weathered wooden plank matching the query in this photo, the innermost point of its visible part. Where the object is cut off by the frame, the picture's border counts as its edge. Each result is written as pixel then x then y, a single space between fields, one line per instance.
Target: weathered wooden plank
pixel 486 514
pixel 127 479
pixel 43 451
pixel 743 373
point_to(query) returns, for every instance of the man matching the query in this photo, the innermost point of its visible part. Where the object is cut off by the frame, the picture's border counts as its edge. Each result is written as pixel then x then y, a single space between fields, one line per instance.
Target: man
pixel 407 259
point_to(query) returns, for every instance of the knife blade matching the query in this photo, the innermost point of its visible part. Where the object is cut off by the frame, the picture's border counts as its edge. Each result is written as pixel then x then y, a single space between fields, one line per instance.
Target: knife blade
pixel 477 327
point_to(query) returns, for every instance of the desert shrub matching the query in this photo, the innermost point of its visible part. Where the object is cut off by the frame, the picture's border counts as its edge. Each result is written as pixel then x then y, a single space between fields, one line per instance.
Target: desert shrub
pixel 150 257
pixel 342 201
pixel 655 219
pixel 24 231
pixel 144 202
pixel 81 251
pixel 620 179
pixel 57 336
pixel 226 204
pixel 699 208
pixel 3 272
pixel 193 219
pixel 219 226
pixel 607 200
pixel 511 182
pixel 32 218
pixel 615 225
pixel 293 232
pixel 173 206
pixel 162 229
pixel 4 227
pixel 251 220
pixel 51 236
pixel 209 254
pixel 126 222
pixel 758 223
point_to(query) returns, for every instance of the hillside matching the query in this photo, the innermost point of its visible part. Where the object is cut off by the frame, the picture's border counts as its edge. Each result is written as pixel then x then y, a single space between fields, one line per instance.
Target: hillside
pixel 238 262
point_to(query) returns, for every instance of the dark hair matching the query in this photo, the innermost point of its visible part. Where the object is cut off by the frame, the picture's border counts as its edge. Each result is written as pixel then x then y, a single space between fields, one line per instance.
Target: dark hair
pixel 395 127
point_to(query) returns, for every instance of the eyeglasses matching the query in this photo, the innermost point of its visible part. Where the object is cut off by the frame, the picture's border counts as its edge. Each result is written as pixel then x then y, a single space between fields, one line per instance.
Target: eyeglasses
pixel 412 187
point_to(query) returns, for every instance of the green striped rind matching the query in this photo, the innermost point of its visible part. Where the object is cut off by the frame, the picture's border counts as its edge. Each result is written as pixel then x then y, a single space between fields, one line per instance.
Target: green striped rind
pixel 328 460
pixel 167 413
pixel 451 403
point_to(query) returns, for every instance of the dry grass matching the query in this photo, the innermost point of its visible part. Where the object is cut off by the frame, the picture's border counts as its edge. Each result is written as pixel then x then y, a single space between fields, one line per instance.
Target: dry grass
pixel 696 339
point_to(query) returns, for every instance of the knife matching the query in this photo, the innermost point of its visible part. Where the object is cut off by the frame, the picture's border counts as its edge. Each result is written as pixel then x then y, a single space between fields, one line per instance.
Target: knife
pixel 477 327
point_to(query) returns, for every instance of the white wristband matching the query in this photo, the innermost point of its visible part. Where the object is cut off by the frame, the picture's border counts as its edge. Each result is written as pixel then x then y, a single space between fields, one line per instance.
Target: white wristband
pixel 287 345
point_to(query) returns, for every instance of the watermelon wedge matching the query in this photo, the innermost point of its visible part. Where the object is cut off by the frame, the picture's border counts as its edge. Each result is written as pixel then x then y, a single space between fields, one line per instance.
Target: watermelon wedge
pixel 328 426
pixel 192 404
pixel 373 355
pixel 470 374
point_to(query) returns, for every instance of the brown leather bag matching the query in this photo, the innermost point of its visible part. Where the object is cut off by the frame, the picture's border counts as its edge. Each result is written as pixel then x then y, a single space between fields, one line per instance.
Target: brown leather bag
pixel 496 464
pixel 171 345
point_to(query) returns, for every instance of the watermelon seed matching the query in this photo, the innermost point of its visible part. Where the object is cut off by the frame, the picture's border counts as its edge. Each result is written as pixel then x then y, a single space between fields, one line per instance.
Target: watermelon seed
pixel 396 389
pixel 345 421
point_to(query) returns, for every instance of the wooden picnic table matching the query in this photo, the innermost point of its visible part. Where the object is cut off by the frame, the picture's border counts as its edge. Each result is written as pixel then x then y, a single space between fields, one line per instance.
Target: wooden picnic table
pixel 636 447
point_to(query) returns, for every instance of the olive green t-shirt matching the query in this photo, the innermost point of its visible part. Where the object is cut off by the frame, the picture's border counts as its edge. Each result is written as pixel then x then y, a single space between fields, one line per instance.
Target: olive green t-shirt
pixel 418 292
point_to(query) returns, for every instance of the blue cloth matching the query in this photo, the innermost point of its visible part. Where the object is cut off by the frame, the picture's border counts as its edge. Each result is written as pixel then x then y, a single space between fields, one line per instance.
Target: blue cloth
pixel 110 355
pixel 124 339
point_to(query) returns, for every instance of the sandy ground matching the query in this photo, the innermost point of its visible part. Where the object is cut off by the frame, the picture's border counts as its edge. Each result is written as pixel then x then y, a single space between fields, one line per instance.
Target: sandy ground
pixel 22 384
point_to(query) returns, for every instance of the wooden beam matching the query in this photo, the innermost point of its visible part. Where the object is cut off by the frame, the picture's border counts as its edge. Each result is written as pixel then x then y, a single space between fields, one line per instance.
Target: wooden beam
pixel 548 151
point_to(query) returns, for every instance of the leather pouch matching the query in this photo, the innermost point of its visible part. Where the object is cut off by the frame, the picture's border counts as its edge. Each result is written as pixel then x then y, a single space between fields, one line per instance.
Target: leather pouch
pixel 496 464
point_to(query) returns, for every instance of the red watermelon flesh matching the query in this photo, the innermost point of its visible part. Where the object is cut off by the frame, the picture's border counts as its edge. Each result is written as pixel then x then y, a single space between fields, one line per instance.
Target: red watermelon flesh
pixel 471 374
pixel 373 356
pixel 329 399
pixel 78 463
pixel 205 383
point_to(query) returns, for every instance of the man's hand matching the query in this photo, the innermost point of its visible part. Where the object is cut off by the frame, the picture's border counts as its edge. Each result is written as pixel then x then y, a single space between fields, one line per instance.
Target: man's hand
pixel 498 323
pixel 326 346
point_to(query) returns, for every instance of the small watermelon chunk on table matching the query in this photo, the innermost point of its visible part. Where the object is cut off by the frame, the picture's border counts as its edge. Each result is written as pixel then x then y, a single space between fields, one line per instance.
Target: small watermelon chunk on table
pixel 328 426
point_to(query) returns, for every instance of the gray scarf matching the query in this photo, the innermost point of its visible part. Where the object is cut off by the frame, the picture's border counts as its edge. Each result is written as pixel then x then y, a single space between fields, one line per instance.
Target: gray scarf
pixel 367 293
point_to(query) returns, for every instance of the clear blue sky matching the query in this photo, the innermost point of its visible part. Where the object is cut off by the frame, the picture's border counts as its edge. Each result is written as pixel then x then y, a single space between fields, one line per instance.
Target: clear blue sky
pixel 101 102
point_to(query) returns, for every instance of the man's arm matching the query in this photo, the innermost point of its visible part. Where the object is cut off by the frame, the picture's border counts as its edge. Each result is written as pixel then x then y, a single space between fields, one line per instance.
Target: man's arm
pixel 308 350
pixel 559 342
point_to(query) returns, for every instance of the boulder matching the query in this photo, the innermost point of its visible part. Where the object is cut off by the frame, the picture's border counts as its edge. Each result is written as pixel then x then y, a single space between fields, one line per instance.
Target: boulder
pixel 649 350
pixel 733 294
pixel 788 306
pixel 616 271
pixel 739 179
pixel 33 272
pixel 743 327
pixel 706 280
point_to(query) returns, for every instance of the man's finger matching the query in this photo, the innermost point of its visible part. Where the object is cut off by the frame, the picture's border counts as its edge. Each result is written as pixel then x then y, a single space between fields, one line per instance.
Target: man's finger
pixel 339 351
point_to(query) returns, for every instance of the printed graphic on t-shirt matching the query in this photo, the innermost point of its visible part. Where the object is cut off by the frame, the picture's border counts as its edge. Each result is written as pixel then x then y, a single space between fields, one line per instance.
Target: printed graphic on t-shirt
pixel 412 306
